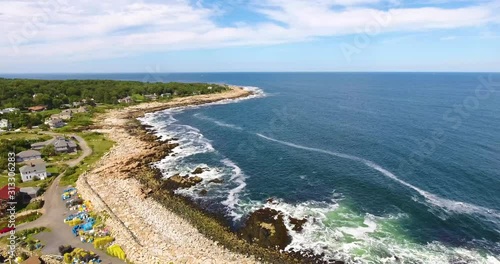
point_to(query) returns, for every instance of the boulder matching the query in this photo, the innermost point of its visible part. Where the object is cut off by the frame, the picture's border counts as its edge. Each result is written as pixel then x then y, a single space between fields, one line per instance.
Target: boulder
pixel 177 181
pixel 266 228
pixel 297 223
pixel 218 181
pixel 198 171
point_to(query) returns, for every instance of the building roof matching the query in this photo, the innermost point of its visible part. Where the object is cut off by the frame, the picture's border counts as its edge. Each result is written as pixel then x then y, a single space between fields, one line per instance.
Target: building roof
pixel 33 166
pixel 62 142
pixel 32 260
pixel 4 192
pixel 37 108
pixel 30 190
pixel 28 153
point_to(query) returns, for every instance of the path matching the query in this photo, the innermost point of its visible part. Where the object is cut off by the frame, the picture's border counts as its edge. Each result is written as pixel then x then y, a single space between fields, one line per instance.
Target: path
pixel 86 150
pixel 54 211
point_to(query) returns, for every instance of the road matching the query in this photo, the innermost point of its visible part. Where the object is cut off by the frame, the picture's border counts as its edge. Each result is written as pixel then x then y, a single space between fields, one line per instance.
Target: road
pixel 86 150
pixel 54 211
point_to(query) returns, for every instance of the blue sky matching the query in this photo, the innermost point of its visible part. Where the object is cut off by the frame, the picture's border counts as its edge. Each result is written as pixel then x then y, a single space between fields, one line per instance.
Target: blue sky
pixel 249 35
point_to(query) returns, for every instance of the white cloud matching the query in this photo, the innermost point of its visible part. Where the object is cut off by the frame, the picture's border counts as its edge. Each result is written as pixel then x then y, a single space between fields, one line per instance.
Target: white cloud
pixel 55 30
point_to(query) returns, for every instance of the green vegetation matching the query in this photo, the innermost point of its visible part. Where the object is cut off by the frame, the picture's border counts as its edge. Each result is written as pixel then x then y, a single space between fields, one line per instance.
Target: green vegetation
pixel 48 151
pixel 22 93
pixel 35 205
pixel 16 145
pixel 99 144
pixel 25 237
pixel 116 251
pixel 21 219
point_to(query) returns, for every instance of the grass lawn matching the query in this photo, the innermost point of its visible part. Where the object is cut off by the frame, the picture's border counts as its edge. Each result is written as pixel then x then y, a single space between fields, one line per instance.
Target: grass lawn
pixel 21 219
pixel 24 135
pixel 60 157
pixel 99 144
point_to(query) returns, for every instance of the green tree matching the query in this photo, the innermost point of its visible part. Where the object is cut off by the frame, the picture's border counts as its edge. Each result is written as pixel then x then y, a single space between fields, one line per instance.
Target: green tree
pixel 48 151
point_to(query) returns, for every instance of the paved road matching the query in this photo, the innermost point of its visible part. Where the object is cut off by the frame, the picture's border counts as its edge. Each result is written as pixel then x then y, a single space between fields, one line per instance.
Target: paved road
pixel 54 211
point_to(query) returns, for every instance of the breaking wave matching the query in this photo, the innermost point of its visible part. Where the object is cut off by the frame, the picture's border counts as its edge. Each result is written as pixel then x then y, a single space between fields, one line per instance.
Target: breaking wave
pixel 435 200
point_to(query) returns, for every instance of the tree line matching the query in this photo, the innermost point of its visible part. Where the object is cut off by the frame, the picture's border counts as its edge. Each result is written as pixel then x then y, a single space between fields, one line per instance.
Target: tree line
pixel 23 93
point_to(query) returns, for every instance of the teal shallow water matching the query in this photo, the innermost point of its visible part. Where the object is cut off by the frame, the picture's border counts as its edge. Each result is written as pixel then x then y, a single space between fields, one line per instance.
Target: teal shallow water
pixel 386 166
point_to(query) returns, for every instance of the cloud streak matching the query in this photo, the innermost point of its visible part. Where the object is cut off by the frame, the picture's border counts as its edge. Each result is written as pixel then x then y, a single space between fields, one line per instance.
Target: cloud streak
pixel 56 30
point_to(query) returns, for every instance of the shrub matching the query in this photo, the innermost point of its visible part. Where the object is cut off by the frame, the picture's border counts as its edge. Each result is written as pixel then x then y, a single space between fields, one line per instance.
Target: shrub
pixel 116 251
pixel 102 242
pixel 65 249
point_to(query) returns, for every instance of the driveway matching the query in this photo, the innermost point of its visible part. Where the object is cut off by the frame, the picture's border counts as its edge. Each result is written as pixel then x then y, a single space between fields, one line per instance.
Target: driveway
pixel 86 150
pixel 54 211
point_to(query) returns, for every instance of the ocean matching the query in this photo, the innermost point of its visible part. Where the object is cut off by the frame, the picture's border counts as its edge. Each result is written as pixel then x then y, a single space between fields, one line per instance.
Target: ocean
pixel 386 167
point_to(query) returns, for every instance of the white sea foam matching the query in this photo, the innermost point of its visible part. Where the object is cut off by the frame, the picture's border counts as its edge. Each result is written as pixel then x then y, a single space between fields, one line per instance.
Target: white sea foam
pixel 233 197
pixel 435 200
pixel 191 142
pixel 217 122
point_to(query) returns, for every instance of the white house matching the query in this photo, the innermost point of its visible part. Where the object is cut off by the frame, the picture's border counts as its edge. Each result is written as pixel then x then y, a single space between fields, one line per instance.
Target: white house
pixel 28 155
pixel 35 169
pixel 4 124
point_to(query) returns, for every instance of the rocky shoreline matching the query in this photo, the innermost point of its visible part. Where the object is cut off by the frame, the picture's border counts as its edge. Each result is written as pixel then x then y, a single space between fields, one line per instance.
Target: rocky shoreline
pixel 153 224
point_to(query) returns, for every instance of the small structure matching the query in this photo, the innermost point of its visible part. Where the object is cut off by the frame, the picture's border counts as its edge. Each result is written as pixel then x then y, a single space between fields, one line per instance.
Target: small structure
pixel 4 124
pixel 66 114
pixel 125 100
pixel 32 192
pixel 28 155
pixel 76 104
pixel 151 97
pixel 7 192
pixel 9 110
pixel 37 108
pixel 35 169
pixel 65 106
pixel 81 109
pixel 33 260
pixel 60 144
pixel 55 122
pixel 166 95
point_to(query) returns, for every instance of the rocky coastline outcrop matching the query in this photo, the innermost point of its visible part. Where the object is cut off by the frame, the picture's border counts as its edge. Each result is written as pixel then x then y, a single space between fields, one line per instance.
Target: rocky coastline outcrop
pixel 156 226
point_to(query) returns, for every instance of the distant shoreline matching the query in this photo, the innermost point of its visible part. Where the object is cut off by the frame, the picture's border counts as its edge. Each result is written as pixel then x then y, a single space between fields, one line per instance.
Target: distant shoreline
pixel 150 222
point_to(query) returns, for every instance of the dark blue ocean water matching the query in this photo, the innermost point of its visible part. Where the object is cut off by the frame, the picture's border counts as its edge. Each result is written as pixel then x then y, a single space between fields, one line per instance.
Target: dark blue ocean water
pixel 383 165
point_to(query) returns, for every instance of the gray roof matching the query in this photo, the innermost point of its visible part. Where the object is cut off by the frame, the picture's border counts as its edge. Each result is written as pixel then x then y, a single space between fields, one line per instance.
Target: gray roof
pixel 33 166
pixel 28 153
pixel 62 142
pixel 30 190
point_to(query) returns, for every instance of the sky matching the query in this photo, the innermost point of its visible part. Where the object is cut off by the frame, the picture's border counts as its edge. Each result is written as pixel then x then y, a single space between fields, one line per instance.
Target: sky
pixel 89 36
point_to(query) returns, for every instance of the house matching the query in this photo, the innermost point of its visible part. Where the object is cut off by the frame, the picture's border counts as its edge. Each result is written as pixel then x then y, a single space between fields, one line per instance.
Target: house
pixel 37 108
pixel 35 169
pixel 125 100
pixel 65 106
pixel 9 110
pixel 166 95
pixel 4 124
pixel 76 104
pixel 66 114
pixel 55 122
pixel 28 155
pixel 33 260
pixel 60 144
pixel 7 192
pixel 31 192
pixel 151 97
pixel 81 109
pixel 64 145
